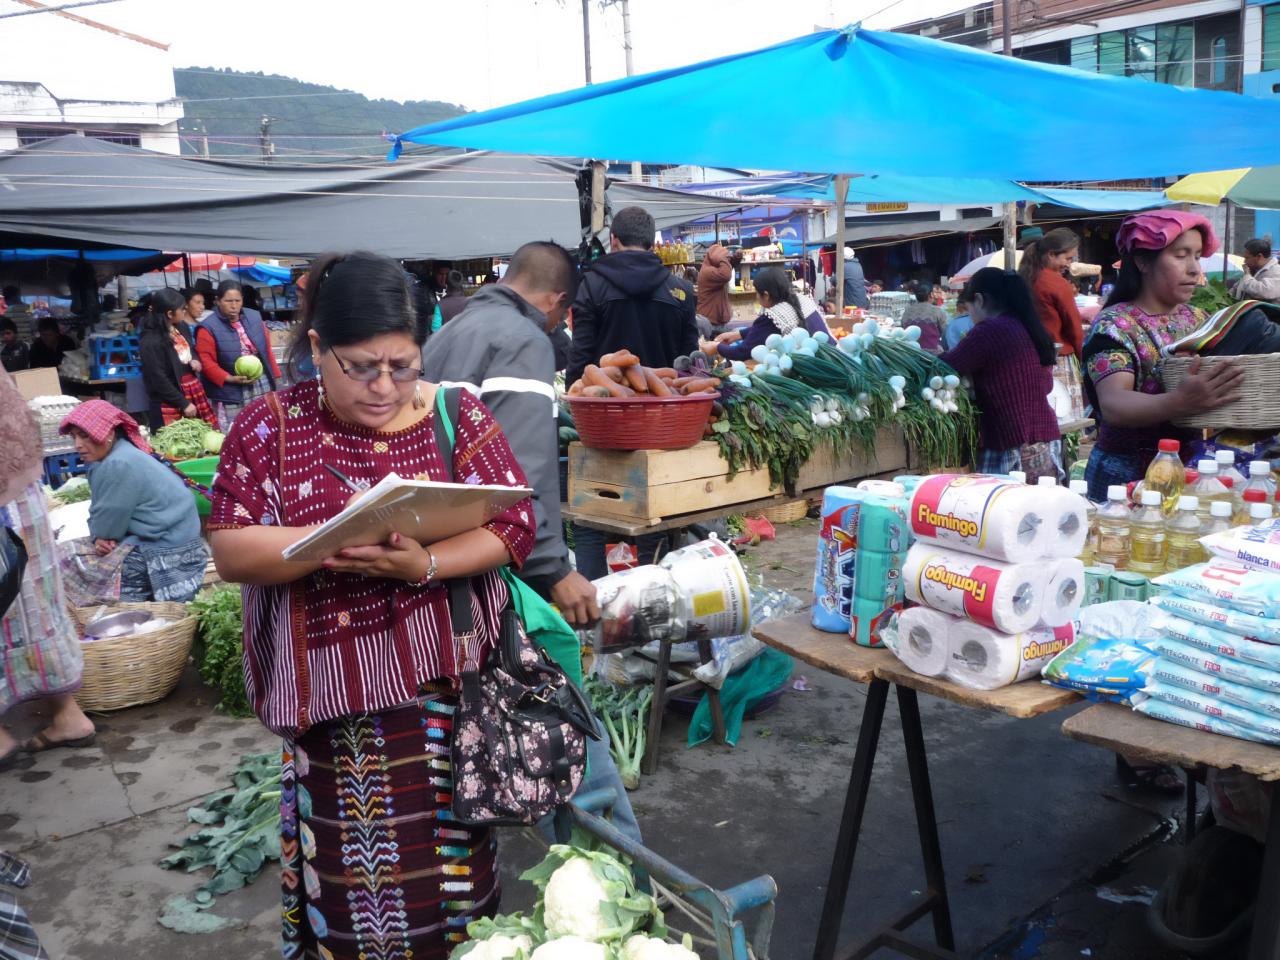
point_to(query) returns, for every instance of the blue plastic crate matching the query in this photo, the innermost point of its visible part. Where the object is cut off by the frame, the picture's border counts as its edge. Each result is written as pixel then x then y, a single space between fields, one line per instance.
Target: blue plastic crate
pixel 60 467
pixel 115 371
pixel 114 358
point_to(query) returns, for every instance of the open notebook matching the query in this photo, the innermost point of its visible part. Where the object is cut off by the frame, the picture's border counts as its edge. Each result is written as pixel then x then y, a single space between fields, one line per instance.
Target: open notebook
pixel 423 510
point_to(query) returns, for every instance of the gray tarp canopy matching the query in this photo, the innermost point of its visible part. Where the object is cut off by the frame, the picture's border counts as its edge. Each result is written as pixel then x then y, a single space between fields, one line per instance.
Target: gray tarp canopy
pixel 435 207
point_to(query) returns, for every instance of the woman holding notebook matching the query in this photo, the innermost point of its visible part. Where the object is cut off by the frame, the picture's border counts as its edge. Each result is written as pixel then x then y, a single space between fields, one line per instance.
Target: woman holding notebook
pixel 350 658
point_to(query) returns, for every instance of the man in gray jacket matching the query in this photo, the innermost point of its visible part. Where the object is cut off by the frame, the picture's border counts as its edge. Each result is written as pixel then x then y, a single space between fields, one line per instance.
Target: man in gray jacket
pixel 500 348
pixel 1262 277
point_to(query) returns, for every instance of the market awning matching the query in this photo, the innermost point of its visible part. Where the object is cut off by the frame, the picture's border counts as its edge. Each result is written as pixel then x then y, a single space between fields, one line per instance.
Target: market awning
pixel 888 232
pixel 1255 187
pixel 432 207
pixel 891 103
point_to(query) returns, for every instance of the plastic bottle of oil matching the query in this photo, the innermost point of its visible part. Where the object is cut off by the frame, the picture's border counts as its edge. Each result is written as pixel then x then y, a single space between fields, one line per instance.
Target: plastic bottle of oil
pixel 1259 512
pixel 1166 475
pixel 1091 512
pixel 1183 534
pixel 1219 518
pixel 1113 529
pixel 1227 468
pixel 1252 498
pixel 1018 476
pixel 1147 545
pixel 1209 488
pixel 1260 478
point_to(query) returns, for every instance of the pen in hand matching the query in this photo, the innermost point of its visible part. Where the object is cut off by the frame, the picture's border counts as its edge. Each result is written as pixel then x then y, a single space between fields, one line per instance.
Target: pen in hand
pixel 342 476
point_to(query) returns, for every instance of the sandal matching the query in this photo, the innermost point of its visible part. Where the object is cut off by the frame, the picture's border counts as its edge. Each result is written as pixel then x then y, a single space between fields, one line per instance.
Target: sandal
pixel 41 742
pixel 8 760
pixel 1150 777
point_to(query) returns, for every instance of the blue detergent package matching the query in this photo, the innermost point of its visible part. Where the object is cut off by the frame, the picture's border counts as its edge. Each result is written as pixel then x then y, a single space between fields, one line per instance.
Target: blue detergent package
pixel 1250 698
pixel 1227 583
pixel 1172 713
pixel 1213 640
pixel 1236 671
pixel 1102 668
pixel 1211 706
pixel 1216 615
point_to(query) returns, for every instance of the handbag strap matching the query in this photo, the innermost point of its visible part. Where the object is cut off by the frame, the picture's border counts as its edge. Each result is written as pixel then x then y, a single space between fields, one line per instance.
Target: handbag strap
pixel 461 614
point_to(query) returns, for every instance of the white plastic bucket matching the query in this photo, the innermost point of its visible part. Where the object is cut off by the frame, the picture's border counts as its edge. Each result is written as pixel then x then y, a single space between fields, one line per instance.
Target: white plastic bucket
pixel 712 589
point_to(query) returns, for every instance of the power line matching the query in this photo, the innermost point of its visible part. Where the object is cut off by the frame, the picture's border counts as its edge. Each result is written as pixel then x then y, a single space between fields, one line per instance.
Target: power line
pixel 64 6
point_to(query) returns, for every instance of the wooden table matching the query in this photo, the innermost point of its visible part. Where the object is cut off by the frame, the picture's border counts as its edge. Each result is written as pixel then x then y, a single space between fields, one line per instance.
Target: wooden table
pixel 1075 426
pixel 95 386
pixel 836 654
pixel 638 528
pixel 1121 730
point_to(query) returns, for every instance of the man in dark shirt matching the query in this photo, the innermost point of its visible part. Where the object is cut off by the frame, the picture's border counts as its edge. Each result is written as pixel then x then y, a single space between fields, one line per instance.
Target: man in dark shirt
pixel 13 352
pixel 50 345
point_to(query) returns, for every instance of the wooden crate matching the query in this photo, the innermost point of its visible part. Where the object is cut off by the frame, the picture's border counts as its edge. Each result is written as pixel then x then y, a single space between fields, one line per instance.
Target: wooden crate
pixel 824 468
pixel 648 485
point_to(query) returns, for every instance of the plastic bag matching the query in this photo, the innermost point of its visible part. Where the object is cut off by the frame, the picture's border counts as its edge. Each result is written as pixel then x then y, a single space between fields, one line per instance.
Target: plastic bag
pixel 1172 713
pixel 1226 582
pixel 1241 802
pixel 1202 660
pixel 1257 546
pixel 1102 668
pixel 1124 619
pixel 621 556
pixel 733 653
pixel 1220 642
pixel 1228 691
pixel 1223 618
pixel 637 606
pixel 1210 706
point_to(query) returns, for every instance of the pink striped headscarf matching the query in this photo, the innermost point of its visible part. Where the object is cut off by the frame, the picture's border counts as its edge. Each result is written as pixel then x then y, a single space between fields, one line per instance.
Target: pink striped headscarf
pixel 1156 229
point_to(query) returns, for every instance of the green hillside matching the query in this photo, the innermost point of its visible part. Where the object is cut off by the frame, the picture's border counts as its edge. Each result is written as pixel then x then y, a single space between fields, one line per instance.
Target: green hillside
pixel 308 120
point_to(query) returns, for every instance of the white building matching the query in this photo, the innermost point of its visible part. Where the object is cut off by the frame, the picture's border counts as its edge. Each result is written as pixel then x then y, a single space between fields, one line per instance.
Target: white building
pixel 64 73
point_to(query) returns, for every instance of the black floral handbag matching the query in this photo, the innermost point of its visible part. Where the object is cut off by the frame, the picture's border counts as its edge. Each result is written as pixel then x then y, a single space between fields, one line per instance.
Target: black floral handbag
pixel 520 732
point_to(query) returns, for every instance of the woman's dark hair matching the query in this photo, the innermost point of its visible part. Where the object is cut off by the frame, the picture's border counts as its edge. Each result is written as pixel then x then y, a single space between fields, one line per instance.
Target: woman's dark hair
pixel 7 325
pixel 229 286
pixel 453 284
pixel 163 302
pixel 1005 292
pixel 189 292
pixel 775 282
pixel 352 297
pixel 1129 281
pixel 1055 241
pixel 922 290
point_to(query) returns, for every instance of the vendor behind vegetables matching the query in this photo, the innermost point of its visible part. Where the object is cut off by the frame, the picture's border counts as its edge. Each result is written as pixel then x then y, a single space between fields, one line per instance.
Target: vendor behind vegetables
pixel 782 310
pixel 140 511
pixel 1149 309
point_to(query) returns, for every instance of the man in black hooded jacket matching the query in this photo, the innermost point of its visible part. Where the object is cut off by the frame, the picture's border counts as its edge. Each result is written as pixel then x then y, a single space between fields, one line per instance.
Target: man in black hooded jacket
pixel 630 300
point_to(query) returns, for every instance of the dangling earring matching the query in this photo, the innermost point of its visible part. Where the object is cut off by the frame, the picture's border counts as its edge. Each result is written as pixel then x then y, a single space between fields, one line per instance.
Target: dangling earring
pixel 419 401
pixel 315 362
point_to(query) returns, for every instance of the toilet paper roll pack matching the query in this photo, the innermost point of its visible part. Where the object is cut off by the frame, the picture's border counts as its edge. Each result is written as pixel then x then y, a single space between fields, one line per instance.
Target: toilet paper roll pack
pixel 985 516
pixel 919 638
pixel 834 568
pixel 1068 522
pixel 1064 593
pixel 870 620
pixel 878 578
pixel 1008 597
pixel 985 659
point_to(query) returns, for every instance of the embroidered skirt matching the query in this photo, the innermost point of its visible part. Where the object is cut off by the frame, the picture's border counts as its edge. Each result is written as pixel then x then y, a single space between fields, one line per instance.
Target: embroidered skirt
pixel 194 392
pixel 374 865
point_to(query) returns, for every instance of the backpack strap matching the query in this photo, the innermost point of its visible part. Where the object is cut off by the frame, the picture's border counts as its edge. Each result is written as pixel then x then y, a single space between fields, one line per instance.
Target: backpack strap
pixel 461 614
pixel 447 400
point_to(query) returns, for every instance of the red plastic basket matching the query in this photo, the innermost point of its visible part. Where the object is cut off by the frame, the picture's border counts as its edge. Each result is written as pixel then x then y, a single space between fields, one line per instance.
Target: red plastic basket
pixel 641 423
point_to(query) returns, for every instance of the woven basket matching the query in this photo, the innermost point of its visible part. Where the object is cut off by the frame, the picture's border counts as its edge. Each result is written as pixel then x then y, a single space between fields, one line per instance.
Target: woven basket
pixel 130 671
pixel 641 423
pixel 1259 403
pixel 787 513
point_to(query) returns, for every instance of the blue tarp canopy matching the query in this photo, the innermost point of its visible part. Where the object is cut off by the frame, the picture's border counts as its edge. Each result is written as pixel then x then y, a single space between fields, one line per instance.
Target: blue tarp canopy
pixel 264 273
pixel 25 254
pixel 891 103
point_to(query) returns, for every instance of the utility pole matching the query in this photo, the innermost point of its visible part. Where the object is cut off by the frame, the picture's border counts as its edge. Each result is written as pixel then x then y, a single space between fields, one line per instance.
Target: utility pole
pixel 264 140
pixel 1010 207
pixel 204 139
pixel 636 171
pixel 586 37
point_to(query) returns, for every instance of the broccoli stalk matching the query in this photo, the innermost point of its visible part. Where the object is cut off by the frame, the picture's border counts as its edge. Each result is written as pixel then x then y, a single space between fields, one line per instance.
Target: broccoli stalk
pixel 625 714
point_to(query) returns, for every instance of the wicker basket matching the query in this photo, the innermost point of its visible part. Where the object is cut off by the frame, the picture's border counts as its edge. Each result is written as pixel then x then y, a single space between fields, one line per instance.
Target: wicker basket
pixel 1259 403
pixel 787 513
pixel 642 423
pixel 142 668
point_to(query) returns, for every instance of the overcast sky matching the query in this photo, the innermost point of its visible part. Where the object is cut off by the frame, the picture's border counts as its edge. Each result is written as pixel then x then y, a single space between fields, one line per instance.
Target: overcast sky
pixel 479 53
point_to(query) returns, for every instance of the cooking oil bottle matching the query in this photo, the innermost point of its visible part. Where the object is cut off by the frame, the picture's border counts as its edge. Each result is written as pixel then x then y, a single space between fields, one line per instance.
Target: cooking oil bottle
pixel 1252 497
pixel 1183 534
pixel 1166 475
pixel 1091 513
pixel 1227 469
pixel 1147 547
pixel 1208 488
pixel 1260 479
pixel 1219 518
pixel 1113 529
pixel 1259 513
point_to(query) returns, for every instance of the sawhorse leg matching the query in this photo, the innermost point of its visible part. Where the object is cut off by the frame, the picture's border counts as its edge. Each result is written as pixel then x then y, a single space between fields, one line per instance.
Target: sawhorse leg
pixel 935 899
pixel 1265 941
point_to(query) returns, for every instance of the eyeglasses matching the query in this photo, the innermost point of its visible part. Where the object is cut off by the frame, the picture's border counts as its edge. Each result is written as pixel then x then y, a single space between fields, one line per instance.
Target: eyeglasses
pixel 369 372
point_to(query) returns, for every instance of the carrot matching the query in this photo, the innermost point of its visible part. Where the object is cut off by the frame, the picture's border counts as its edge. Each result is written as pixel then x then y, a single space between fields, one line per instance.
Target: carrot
pixel 666 373
pixel 595 377
pixel 635 376
pixel 622 358
pixel 576 389
pixel 613 373
pixel 599 393
pixel 685 381
pixel 657 386
pixel 702 386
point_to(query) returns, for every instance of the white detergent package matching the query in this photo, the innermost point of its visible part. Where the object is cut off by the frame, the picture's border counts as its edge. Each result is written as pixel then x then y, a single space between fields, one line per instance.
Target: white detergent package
pixel 1257 546
pixel 1120 619
pixel 1006 596
pixel 1221 642
pixel 1213 707
pixel 1219 666
pixel 1068 522
pixel 984 659
pixel 1171 672
pixel 920 638
pixel 1261 629
pixel 1064 592
pixel 986 516
pixel 1172 713
pixel 1225 581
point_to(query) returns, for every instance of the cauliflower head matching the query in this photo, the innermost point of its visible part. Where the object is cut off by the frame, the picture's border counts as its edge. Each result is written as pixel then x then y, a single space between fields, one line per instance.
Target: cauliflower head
pixel 592 895
pixel 569 948
pixel 641 947
pixel 572 902
pixel 499 947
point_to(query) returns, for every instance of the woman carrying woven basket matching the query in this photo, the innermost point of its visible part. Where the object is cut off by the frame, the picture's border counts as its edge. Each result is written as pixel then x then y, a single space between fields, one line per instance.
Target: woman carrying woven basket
pixel 39 648
pixel 1149 309
pixel 351 659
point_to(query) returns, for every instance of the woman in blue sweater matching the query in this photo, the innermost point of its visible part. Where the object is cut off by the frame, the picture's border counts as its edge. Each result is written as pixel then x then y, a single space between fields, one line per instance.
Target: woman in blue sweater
pixel 140 511
pixel 782 311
